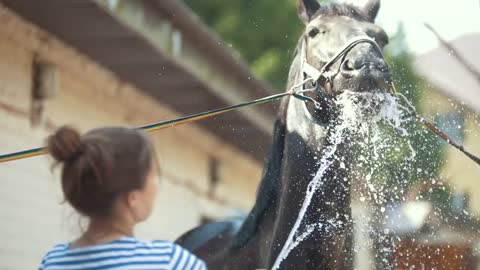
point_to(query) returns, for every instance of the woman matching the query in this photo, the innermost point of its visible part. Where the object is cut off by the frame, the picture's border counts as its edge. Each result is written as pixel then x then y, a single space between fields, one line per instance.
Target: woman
pixel 110 176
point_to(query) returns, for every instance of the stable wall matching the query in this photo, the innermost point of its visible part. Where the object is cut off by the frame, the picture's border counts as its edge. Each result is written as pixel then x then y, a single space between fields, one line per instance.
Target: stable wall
pixel 89 96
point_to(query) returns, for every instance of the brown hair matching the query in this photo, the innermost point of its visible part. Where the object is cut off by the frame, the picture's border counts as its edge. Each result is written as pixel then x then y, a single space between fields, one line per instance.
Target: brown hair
pixel 101 165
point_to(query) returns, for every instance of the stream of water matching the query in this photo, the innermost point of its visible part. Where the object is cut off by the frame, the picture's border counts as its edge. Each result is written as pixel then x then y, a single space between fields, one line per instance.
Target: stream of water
pixel 360 114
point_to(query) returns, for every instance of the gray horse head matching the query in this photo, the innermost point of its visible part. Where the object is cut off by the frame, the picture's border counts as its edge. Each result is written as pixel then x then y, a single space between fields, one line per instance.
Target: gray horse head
pixel 328 28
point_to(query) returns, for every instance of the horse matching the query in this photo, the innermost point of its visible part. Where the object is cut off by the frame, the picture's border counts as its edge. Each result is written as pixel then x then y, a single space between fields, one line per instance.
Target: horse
pixel 299 141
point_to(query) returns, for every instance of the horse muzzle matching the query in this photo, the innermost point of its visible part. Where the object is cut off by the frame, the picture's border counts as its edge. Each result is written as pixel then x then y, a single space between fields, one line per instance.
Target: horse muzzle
pixel 365 79
pixel 367 72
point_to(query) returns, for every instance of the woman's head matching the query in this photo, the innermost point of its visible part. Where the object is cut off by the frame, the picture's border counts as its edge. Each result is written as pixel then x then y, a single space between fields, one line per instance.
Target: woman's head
pixel 106 172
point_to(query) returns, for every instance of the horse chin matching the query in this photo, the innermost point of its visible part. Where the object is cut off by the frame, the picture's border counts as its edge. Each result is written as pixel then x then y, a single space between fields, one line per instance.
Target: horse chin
pixel 361 88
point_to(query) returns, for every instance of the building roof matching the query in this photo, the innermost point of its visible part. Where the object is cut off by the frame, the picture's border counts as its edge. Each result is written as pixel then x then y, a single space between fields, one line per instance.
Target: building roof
pixel 97 31
pixel 444 72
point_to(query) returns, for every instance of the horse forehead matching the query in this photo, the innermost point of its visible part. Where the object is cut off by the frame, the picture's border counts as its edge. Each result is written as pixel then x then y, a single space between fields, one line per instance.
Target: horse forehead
pixel 333 21
pixel 344 24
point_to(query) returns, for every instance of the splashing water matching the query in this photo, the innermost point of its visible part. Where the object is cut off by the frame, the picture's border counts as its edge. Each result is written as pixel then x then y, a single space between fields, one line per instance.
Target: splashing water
pixel 361 114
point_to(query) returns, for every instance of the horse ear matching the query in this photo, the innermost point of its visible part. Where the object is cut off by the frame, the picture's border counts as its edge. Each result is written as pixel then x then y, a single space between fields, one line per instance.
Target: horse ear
pixel 371 9
pixel 306 9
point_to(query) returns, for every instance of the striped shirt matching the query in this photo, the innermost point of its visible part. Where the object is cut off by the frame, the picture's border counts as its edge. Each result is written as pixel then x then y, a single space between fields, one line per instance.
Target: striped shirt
pixel 125 253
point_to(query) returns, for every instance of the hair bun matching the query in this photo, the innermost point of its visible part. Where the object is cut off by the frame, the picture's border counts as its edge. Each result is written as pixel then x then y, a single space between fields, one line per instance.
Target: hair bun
pixel 65 144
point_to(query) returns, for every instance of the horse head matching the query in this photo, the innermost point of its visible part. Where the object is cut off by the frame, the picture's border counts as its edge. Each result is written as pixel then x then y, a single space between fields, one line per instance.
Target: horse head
pixel 328 29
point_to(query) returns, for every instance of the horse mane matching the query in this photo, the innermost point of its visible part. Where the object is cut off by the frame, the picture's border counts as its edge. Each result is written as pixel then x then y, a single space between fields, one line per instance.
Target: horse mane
pixel 268 190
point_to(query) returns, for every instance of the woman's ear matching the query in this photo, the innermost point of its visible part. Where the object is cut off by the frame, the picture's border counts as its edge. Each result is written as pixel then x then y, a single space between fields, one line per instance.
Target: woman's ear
pixel 131 199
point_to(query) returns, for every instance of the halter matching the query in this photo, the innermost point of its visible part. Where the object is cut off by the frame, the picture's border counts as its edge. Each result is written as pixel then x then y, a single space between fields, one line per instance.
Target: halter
pixel 312 74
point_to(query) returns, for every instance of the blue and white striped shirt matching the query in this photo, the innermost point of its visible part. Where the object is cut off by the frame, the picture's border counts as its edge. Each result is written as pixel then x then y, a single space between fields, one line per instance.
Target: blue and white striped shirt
pixel 125 253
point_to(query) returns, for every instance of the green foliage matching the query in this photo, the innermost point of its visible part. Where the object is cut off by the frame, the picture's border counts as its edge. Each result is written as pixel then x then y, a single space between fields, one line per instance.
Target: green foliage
pixel 263 32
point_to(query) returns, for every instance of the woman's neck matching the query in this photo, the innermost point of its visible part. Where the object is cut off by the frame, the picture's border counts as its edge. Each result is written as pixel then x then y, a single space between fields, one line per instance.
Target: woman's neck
pixel 101 231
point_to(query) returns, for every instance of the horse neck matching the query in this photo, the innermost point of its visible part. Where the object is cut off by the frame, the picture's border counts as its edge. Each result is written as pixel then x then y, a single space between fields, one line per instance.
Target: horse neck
pixel 308 151
pixel 307 144
pixel 294 158
pixel 305 149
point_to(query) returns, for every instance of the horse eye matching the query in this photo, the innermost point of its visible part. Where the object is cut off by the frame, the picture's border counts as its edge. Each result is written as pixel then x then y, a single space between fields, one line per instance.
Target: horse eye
pixel 313 32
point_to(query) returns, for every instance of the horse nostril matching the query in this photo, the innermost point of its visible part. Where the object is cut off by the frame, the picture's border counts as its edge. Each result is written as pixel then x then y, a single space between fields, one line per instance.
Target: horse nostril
pixel 348 66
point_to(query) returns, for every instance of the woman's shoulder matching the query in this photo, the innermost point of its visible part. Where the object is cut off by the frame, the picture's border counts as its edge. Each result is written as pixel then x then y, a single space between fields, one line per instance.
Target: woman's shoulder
pixel 58 248
pixel 181 258
pixel 55 251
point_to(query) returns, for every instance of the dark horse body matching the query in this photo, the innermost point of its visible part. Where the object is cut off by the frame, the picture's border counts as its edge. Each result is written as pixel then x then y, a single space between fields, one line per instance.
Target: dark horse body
pixel 299 143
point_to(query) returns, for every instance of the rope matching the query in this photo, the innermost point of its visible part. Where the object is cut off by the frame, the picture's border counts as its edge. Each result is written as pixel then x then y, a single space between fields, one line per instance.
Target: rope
pixel 187 119
pixel 175 122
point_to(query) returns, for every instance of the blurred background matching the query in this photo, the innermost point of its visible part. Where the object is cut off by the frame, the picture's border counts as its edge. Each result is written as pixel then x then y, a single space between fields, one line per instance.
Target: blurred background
pixel 90 63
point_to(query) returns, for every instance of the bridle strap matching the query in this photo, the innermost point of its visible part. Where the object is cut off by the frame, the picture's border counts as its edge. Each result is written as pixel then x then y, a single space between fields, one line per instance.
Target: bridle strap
pixel 316 74
pixel 305 67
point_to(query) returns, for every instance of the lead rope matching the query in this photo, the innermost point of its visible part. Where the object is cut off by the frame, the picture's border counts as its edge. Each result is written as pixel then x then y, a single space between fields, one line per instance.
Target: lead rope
pixel 313 75
pixel 183 120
